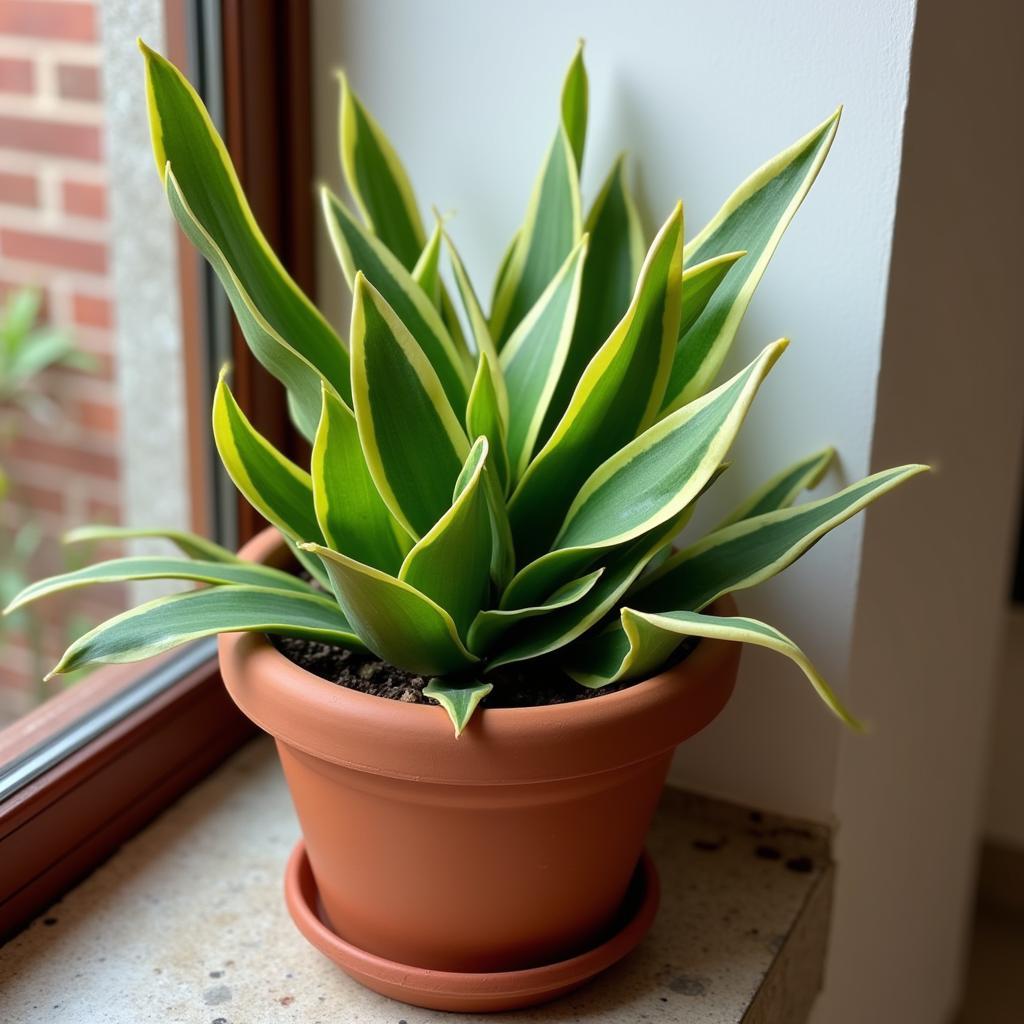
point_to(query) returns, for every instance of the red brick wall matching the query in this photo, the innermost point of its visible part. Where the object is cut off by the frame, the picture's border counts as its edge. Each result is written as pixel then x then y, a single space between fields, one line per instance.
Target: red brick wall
pixel 54 234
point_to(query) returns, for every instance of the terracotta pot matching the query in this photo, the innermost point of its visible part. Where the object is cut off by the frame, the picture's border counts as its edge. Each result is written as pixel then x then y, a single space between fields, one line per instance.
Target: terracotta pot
pixel 507 848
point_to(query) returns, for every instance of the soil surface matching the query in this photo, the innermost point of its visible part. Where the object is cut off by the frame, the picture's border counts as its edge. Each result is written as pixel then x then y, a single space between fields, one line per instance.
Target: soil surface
pixel 514 686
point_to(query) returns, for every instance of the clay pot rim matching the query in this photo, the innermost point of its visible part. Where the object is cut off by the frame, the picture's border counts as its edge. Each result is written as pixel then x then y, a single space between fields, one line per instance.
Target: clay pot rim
pixel 294 705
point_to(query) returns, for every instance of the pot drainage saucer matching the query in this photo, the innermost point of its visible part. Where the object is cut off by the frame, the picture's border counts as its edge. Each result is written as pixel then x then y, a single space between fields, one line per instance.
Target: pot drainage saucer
pixel 470 992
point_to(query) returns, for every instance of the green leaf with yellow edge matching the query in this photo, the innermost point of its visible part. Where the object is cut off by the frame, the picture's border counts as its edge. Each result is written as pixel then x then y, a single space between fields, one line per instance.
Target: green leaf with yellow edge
pixel 614 259
pixel 208 201
pixel 699 283
pixel 754 550
pixel 484 418
pixel 503 558
pixel 377 180
pixel 300 377
pixel 575 104
pixel 533 356
pixel 151 567
pixel 352 515
pixel 278 489
pixel 479 328
pixel 427 272
pixel 563 564
pixel 482 339
pixel 190 544
pixel 452 563
pixel 617 397
pixel 442 300
pixel 784 488
pixel 647 482
pixel 413 442
pixel 753 218
pixel 490 625
pixel 643 641
pixel 459 700
pixel 621 567
pixel 360 252
pixel 168 622
pixel 666 467
pixel 392 618
pixel 504 265
pixel 553 222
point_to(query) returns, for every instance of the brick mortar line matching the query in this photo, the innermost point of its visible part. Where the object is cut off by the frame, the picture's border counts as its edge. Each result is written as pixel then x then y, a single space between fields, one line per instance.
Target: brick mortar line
pixel 29 272
pixel 70 437
pixel 21 161
pixel 65 50
pixel 43 107
pixel 55 221
pixel 55 478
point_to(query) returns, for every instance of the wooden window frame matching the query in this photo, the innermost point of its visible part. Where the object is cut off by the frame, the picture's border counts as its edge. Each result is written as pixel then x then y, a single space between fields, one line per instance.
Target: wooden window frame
pixel 96 763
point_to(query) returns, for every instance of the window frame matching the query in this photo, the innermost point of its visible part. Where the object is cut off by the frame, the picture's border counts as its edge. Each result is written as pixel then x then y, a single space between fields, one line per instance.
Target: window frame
pixel 97 762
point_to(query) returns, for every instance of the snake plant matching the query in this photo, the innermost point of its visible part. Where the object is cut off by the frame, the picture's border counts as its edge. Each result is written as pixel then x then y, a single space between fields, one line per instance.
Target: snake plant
pixel 487 490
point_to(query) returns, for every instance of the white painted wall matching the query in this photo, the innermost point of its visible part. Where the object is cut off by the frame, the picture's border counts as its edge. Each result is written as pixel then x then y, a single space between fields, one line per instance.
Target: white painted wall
pixel 935 567
pixel 702 94
pixel 901 609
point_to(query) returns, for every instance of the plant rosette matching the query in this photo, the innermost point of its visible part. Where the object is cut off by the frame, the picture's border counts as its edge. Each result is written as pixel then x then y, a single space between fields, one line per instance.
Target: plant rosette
pixel 486 493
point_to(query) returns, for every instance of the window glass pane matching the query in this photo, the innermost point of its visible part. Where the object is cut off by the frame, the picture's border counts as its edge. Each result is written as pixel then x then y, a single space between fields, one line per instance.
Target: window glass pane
pixel 93 420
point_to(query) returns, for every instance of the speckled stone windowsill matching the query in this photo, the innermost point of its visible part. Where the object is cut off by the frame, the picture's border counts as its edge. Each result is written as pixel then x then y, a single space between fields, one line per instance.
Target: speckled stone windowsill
pixel 187 924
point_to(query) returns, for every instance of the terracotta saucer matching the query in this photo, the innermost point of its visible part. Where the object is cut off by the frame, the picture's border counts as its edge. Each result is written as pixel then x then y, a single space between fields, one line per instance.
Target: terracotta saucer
pixel 467 992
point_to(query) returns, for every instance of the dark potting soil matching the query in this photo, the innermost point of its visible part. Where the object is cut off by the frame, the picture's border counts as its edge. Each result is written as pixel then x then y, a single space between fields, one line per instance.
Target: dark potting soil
pixel 515 686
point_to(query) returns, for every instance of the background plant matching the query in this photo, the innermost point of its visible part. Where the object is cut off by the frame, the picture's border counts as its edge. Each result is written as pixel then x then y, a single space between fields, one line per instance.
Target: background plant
pixel 487 491
pixel 27 349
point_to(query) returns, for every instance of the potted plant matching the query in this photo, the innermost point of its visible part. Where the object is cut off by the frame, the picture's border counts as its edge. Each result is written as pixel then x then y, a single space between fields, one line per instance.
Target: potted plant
pixel 483 538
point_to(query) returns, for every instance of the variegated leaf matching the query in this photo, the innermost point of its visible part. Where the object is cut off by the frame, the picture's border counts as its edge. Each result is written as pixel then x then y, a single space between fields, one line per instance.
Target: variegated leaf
pixel 614 259
pixel 146 567
pixel 700 282
pixel 352 515
pixel 459 700
pixel 553 222
pixel 617 397
pixel 489 626
pixel 286 332
pixel 553 631
pixel 392 618
pixel 575 104
pixel 169 622
pixel 278 489
pixel 377 180
pixel 427 272
pixel 359 252
pixel 644 641
pixel 648 481
pixel 451 564
pixel 413 441
pixel 753 218
pixel 533 356
pixel 484 418
pixel 188 543
pixel 753 550
pixel 783 489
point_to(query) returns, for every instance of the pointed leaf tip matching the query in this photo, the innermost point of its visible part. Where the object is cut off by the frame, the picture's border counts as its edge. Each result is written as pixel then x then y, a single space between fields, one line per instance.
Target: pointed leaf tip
pixel 459 702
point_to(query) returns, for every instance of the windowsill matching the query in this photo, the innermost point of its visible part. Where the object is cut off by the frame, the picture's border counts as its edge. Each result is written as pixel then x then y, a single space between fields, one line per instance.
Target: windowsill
pixel 187 922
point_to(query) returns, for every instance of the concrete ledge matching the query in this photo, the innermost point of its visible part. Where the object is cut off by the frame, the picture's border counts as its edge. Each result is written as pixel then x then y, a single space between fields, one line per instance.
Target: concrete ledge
pixel 187 924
